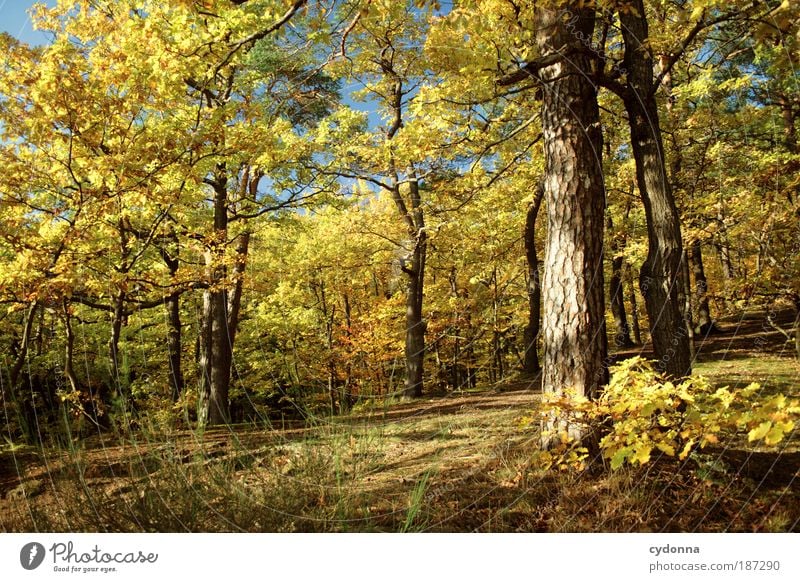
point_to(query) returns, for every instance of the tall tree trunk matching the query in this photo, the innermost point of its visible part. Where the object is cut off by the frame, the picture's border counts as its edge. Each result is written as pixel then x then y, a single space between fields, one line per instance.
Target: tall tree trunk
pixel 685 297
pixel 216 353
pixel 622 337
pixel 415 323
pixel 203 350
pixel 117 319
pixel 530 363
pixel 235 296
pixel 456 377
pixel 575 344
pixel 704 322
pixel 176 380
pixel 23 405
pixel 174 331
pixel 69 351
pixel 221 359
pixel 414 265
pixel 637 333
pixel 346 399
pixel 661 271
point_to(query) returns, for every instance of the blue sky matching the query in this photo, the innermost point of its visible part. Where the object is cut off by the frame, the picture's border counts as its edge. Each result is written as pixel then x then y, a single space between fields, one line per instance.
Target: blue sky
pixel 14 19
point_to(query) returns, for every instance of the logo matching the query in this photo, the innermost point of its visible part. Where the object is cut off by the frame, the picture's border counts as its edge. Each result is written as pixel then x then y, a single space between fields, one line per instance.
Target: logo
pixel 32 555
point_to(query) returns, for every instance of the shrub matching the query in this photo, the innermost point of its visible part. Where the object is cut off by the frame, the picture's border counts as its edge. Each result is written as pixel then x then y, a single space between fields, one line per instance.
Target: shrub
pixel 640 411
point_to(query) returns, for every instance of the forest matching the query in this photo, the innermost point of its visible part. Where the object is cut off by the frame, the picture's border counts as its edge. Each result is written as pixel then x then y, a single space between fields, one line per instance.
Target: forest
pixel 401 265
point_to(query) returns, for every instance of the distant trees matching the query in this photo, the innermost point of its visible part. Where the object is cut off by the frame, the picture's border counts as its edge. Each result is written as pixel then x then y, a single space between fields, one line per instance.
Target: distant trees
pixel 242 206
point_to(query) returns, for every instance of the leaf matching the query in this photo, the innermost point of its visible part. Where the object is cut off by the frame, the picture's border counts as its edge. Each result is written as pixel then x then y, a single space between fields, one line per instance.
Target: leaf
pixel 642 454
pixel 777 432
pixel 666 448
pixel 759 432
pixel 619 458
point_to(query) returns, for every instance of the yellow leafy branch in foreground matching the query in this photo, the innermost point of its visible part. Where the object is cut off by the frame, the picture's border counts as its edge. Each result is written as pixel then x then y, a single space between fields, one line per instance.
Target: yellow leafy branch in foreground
pixel 640 412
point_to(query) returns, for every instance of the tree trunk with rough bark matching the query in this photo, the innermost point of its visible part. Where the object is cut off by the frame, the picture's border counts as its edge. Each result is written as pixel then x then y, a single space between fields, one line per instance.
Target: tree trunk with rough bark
pixel 660 274
pixel 574 332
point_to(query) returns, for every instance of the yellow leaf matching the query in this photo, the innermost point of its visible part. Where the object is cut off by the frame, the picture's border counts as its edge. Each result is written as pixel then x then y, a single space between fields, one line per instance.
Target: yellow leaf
pixel 760 432
pixel 666 448
pixel 686 449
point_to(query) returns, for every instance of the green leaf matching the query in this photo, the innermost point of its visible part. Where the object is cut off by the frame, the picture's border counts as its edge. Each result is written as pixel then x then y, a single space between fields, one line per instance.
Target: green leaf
pixel 619 458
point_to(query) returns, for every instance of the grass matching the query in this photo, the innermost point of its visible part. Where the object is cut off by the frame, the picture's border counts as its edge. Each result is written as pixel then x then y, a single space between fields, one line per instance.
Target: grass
pixel 462 463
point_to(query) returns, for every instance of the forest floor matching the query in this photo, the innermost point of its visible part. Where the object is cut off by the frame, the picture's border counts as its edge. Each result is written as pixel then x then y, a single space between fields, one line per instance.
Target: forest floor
pixel 461 462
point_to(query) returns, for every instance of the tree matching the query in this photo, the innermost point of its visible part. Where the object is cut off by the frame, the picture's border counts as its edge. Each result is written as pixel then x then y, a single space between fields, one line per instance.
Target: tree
pixel 531 336
pixel 573 290
pixel 391 74
pixel 661 271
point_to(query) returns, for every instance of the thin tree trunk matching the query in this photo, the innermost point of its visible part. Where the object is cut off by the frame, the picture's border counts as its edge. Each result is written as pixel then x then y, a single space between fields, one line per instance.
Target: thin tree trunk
pixel 117 318
pixel 660 274
pixel 635 327
pixel 204 353
pixel 530 363
pixel 704 322
pixel 724 251
pixel 622 337
pixel 173 308
pixel 69 350
pixel 174 332
pixel 575 344
pixel 346 396
pixel 22 354
pixel 797 333
pixel 456 379
pixel 686 300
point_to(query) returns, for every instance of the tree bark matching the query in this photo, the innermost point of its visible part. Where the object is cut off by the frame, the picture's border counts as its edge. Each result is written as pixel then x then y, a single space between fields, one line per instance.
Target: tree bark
pixel 575 343
pixel 661 271
pixel 216 352
pixel 174 332
pixel 704 323
pixel 176 380
pixel 346 396
pixel 530 363
pixel 637 332
pixel 235 296
pixel 69 352
pixel 22 354
pixel 685 298
pixel 117 318
pixel 415 323
pixel 622 337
